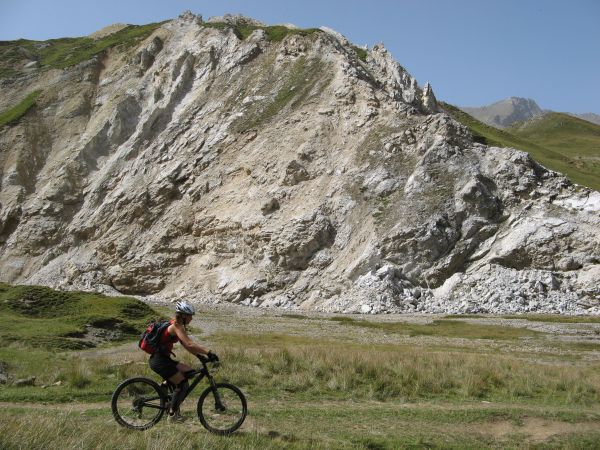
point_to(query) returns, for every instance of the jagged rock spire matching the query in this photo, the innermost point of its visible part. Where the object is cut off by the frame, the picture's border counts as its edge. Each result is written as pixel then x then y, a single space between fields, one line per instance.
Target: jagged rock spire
pixel 429 101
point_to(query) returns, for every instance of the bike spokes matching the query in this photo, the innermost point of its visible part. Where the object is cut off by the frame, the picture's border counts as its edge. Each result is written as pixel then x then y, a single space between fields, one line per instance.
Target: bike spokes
pixel 222 408
pixel 138 403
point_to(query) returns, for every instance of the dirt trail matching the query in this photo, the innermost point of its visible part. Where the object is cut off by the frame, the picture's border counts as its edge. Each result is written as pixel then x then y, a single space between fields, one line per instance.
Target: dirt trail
pixel 532 409
pixel 535 429
pixel 73 406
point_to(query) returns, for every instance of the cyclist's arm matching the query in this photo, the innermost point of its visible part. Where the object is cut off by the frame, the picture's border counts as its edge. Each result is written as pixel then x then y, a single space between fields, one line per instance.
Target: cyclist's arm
pixel 187 342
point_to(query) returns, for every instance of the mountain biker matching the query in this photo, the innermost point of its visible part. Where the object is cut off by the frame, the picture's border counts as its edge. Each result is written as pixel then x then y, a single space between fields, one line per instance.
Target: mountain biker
pixel 169 369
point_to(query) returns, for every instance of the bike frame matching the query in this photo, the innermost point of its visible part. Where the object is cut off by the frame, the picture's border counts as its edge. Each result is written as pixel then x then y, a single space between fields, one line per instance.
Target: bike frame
pixel 198 376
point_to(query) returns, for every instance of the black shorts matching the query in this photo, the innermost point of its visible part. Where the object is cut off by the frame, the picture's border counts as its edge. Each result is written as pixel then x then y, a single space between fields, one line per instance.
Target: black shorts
pixel 163 365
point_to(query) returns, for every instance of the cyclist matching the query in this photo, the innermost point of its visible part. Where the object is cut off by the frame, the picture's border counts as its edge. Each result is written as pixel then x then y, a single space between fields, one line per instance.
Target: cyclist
pixel 169 369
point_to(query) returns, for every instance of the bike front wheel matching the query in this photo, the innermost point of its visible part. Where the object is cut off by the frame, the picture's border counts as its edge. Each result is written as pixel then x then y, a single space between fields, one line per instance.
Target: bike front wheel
pixel 222 408
pixel 138 403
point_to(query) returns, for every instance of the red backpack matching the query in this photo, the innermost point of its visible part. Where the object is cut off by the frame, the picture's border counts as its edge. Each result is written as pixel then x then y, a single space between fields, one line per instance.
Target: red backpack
pixel 150 339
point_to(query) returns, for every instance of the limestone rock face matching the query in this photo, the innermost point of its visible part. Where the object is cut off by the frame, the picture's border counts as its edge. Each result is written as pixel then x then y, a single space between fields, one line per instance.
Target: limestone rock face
pixel 284 173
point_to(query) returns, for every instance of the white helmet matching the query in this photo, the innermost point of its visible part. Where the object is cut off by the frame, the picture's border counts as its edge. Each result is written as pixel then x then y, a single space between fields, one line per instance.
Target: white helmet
pixel 185 308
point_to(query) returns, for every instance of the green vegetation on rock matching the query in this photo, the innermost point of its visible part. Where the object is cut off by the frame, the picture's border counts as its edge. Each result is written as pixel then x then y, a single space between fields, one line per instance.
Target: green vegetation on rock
pixel 16 112
pixel 65 52
pixel 560 142
pixel 301 79
pixel 361 53
pixel 275 33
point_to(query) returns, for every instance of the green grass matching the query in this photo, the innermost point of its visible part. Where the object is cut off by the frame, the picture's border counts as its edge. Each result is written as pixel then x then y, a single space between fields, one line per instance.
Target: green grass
pixel 65 52
pixel 464 316
pixel 444 328
pixel 69 376
pixel 562 143
pixel 16 112
pixel 553 318
pixel 574 138
pixel 297 368
pixel 280 417
pixel 563 133
pixel 36 316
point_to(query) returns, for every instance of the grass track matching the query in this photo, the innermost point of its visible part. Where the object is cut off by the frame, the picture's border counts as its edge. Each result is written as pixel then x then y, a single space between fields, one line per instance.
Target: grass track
pixel 313 425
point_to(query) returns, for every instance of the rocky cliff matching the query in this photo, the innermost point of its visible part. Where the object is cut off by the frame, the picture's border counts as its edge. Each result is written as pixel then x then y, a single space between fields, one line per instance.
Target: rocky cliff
pixel 229 161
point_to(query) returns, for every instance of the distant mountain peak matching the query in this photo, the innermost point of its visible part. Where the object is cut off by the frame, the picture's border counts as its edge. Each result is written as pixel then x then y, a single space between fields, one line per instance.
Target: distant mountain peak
pixel 590 117
pixel 505 112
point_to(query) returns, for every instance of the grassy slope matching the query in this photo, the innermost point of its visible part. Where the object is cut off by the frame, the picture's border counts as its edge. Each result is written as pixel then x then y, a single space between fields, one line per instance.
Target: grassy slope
pixel 576 139
pixel 35 316
pixel 65 52
pixel 562 132
pixel 16 112
pixel 58 54
pixel 561 143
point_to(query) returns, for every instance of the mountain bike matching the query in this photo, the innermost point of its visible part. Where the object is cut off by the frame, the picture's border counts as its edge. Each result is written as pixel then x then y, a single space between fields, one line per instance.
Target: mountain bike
pixel 140 403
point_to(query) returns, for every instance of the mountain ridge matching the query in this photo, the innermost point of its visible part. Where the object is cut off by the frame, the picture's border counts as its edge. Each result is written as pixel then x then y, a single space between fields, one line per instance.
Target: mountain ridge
pixel 572 151
pixel 504 113
pixel 268 166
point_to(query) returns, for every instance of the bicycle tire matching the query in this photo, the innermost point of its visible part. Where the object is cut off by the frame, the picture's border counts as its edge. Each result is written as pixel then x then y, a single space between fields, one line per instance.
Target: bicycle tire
pixel 221 421
pixel 138 403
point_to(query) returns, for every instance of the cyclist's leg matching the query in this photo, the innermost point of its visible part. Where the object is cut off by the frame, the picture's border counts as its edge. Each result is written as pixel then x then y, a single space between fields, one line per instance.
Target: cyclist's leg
pixel 181 386
pixel 183 368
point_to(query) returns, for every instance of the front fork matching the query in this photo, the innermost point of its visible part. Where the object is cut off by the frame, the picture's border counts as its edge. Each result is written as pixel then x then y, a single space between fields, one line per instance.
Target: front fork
pixel 219 405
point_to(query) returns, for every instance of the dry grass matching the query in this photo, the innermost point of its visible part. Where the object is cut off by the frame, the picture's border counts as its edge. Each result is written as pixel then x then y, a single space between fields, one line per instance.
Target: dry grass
pixel 385 373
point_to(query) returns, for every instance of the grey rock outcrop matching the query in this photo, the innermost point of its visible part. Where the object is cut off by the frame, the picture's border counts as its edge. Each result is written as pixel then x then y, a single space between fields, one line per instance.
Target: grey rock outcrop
pixel 286 173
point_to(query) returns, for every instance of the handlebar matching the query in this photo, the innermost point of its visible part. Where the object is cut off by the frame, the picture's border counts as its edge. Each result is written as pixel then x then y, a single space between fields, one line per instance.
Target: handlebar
pixel 204 360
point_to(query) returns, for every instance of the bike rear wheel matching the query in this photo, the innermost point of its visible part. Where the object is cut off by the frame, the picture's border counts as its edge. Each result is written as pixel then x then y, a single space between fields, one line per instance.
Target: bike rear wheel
pixel 138 403
pixel 222 408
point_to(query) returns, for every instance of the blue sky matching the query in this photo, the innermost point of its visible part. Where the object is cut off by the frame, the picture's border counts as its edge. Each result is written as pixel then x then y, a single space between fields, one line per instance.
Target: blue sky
pixel 473 52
